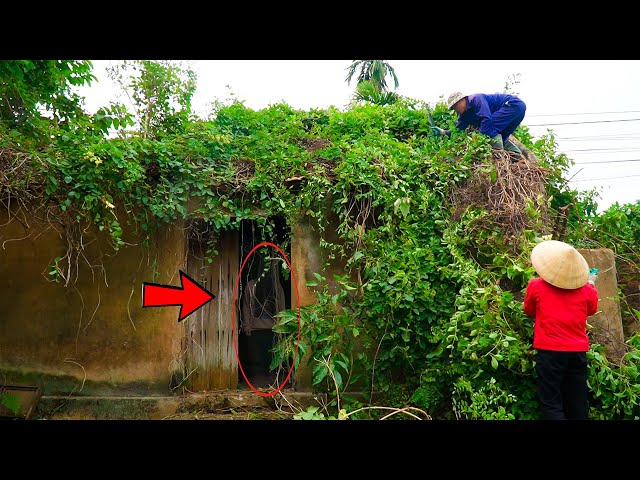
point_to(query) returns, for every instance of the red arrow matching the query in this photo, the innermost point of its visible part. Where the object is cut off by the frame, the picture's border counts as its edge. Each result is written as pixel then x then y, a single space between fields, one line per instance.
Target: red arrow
pixel 189 295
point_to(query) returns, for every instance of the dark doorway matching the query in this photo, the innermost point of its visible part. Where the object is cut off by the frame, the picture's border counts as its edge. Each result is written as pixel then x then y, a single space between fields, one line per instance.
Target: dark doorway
pixel 265 290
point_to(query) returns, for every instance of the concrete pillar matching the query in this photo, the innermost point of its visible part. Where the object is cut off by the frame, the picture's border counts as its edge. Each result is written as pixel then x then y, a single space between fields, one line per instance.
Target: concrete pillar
pixel 607 321
pixel 305 259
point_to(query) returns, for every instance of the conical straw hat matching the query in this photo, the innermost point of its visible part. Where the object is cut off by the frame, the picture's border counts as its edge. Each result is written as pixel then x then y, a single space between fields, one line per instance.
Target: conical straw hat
pixel 560 264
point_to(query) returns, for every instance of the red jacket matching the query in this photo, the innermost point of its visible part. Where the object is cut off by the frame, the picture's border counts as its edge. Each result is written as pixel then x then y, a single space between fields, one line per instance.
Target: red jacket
pixel 560 315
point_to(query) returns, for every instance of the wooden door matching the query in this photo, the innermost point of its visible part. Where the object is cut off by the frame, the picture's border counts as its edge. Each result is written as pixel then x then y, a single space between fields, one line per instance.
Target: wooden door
pixel 210 361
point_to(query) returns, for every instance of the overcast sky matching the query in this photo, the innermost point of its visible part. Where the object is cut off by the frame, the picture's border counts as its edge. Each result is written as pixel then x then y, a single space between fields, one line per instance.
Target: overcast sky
pixel 593 106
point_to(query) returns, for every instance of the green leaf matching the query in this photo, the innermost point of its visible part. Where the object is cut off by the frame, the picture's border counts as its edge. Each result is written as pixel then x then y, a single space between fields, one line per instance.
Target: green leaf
pixel 494 362
pixel 319 373
pixel 338 377
pixel 12 402
pixel 343 364
pixel 404 209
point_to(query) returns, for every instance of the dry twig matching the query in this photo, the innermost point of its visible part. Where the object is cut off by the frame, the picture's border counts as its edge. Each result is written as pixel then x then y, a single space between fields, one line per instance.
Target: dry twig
pixel 505 189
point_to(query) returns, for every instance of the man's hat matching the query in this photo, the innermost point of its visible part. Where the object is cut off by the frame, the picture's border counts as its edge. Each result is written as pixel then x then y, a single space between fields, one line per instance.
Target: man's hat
pixel 560 264
pixel 454 98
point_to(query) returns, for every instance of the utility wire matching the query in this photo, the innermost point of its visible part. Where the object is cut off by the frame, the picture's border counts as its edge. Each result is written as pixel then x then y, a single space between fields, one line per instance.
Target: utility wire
pixel 614 136
pixel 589 150
pixel 609 161
pixel 603 178
pixel 591 113
pixel 580 123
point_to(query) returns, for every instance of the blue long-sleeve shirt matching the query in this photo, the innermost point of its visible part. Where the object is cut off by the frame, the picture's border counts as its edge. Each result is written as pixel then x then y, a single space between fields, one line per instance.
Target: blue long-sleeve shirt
pixel 480 107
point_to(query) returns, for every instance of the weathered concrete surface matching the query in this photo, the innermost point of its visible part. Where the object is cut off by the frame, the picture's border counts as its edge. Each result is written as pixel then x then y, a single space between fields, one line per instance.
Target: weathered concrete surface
pixel 629 284
pixel 101 407
pixel 607 322
pixel 93 333
pixel 306 258
pixel 93 337
pixel 215 405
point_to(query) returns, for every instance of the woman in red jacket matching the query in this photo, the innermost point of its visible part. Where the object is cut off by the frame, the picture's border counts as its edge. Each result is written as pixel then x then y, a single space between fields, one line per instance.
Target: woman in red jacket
pixel 560 302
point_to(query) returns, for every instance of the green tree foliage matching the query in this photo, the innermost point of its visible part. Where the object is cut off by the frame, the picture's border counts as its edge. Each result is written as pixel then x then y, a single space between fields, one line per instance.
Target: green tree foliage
pixel 374 71
pixel 36 93
pixel 372 81
pixel 367 91
pixel 161 93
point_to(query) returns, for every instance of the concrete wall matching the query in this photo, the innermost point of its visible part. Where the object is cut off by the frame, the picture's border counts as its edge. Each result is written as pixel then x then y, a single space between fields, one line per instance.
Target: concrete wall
pixel 307 258
pixel 92 337
pixel 607 322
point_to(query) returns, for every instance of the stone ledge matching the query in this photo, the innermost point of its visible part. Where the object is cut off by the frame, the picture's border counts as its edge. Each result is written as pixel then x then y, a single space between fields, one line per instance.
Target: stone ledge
pixel 206 405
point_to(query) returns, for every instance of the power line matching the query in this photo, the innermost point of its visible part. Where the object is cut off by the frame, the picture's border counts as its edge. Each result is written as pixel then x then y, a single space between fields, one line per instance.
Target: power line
pixel 589 150
pixel 613 136
pixel 580 123
pixel 604 178
pixel 590 113
pixel 609 161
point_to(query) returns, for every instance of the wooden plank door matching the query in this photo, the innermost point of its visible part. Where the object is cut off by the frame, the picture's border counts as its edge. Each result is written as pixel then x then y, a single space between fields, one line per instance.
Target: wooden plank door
pixel 210 356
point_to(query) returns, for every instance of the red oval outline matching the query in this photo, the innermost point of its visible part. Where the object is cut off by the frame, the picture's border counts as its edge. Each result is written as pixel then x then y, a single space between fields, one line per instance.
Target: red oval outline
pixel 233 326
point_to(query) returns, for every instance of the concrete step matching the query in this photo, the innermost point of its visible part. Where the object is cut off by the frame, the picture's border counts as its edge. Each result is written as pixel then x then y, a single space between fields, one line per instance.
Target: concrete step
pixel 213 405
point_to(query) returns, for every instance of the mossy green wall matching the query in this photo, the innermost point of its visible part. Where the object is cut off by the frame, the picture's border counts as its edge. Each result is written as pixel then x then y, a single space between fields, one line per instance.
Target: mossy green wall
pixel 92 335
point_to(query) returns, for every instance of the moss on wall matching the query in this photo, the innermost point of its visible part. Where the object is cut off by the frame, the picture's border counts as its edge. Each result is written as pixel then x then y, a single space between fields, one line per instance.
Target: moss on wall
pixel 95 329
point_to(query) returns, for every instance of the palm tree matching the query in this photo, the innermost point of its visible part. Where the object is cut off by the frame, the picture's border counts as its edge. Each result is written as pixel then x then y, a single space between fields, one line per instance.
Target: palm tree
pixel 374 71
pixel 367 92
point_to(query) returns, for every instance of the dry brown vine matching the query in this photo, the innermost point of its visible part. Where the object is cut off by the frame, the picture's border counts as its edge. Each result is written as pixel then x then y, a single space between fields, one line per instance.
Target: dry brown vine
pixel 505 188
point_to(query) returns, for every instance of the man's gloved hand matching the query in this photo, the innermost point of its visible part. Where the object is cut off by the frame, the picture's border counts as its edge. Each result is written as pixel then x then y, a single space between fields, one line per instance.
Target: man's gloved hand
pixel 593 274
pixel 437 131
pixel 496 142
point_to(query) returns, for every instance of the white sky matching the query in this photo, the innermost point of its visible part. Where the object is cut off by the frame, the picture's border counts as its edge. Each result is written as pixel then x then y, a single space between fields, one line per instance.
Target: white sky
pixel 578 92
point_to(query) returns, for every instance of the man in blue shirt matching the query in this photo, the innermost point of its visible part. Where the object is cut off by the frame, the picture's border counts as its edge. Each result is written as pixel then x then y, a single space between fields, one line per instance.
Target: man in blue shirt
pixel 495 115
